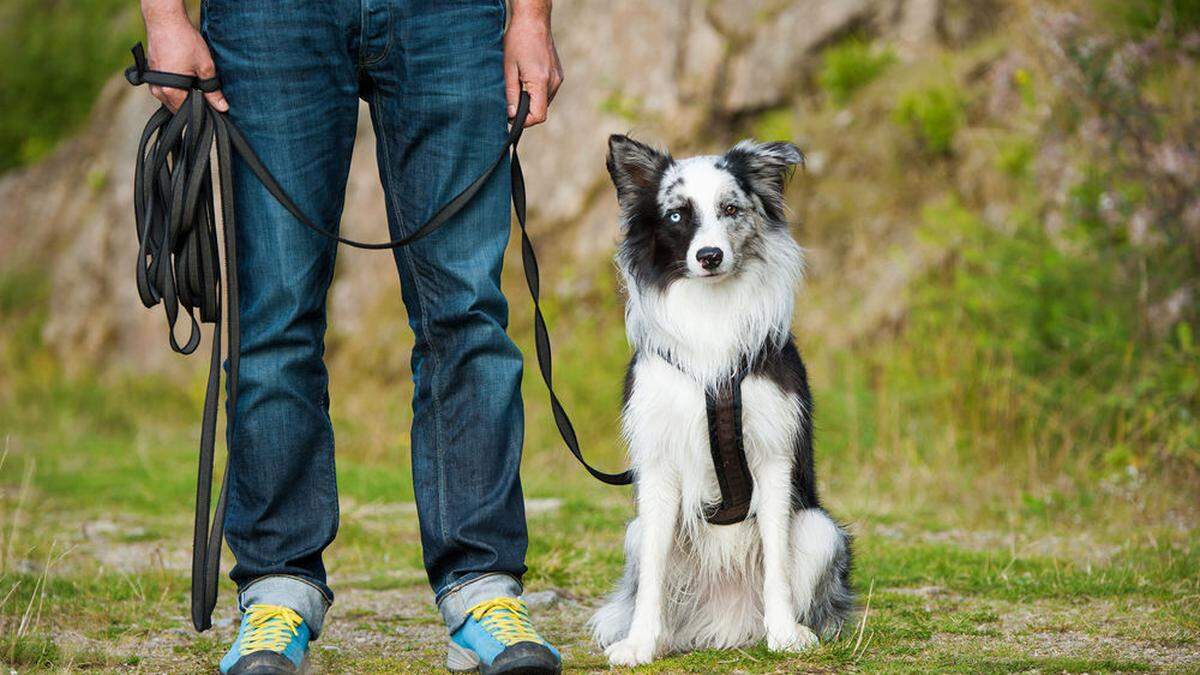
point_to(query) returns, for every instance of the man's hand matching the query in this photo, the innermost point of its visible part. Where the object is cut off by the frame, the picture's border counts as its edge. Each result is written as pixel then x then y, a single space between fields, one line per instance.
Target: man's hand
pixel 530 59
pixel 175 46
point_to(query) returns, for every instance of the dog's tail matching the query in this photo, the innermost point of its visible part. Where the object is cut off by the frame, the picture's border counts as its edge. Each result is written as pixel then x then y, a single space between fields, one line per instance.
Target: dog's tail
pixel 832 600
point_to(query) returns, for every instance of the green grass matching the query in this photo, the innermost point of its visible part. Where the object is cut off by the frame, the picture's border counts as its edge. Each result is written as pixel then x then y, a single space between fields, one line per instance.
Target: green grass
pixel 952 584
pixel 1143 17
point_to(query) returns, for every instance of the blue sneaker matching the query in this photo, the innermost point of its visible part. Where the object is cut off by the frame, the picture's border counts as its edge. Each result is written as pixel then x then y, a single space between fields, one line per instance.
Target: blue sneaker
pixel 499 638
pixel 272 640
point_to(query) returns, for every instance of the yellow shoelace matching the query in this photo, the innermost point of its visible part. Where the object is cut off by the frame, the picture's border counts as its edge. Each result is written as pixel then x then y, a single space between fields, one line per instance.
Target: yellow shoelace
pixel 271 628
pixel 506 619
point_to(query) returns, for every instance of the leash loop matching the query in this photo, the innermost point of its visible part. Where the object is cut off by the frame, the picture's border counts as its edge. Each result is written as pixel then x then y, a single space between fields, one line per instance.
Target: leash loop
pixel 140 73
pixel 180 267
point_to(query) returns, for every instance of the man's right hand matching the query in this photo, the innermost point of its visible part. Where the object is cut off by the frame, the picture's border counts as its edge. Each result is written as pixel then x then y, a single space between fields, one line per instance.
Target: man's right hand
pixel 175 46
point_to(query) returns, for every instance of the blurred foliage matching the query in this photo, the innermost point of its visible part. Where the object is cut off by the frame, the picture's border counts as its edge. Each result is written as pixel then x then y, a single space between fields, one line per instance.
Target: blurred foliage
pixel 1055 327
pixel 1047 330
pixel 1038 328
pixel 622 105
pixel 932 116
pixel 851 65
pixel 56 55
pixel 1142 17
pixel 775 124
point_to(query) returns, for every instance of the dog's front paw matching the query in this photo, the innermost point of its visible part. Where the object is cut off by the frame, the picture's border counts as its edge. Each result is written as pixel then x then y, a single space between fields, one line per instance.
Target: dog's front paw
pixel 794 638
pixel 630 652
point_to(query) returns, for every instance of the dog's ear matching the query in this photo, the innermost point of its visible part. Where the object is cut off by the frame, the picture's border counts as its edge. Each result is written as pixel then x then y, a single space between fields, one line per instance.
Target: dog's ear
pixel 765 168
pixel 633 166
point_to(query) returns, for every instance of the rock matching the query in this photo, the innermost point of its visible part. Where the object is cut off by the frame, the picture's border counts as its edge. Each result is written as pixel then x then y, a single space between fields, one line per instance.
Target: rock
pixel 541 599
pixel 763 73
pixel 542 505
pixel 962 21
pixel 703 54
pixel 738 19
pixel 918 22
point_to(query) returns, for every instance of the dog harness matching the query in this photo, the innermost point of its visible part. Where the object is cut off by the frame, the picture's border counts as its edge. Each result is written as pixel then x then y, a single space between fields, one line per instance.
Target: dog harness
pixel 723 409
pixel 179 266
pixel 723 404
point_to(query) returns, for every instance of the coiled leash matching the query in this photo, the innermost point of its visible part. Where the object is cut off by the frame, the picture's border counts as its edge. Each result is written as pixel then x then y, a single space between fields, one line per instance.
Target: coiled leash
pixel 179 266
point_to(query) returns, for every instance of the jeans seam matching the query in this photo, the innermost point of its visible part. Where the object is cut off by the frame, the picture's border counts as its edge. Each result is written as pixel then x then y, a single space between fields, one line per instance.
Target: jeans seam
pixel 387 46
pixel 406 255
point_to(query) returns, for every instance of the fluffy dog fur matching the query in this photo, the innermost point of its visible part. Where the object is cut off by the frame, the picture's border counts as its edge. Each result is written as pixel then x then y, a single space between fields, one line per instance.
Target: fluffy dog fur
pixel 783 573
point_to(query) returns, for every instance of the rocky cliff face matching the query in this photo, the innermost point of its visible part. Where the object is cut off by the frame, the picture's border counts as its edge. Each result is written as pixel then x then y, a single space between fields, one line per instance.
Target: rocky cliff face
pixel 676 72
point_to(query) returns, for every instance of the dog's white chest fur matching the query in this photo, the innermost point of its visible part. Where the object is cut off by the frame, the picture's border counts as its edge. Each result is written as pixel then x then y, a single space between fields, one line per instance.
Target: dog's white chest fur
pixel 666 426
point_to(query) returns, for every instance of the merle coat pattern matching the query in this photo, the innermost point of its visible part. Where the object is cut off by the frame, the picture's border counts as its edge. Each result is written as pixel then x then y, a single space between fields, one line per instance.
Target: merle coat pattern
pixel 711 271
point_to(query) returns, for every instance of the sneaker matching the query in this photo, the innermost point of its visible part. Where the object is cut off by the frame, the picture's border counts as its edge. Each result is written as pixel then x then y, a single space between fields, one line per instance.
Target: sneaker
pixel 498 637
pixel 272 640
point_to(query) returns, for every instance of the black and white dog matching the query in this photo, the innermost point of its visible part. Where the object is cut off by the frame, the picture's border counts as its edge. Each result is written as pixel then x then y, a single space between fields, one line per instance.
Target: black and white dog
pixel 710 271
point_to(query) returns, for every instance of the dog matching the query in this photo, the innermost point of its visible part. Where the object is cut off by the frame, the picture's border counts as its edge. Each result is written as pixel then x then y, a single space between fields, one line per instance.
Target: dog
pixel 710 271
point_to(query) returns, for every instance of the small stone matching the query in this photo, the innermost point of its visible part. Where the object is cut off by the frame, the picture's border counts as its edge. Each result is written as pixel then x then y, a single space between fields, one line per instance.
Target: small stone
pixel 542 599
pixel 542 505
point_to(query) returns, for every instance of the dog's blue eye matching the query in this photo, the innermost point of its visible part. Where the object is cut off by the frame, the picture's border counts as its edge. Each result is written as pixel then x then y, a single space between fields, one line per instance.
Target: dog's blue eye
pixel 674 216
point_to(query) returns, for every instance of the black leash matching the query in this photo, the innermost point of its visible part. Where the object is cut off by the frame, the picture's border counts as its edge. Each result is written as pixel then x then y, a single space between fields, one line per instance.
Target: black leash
pixel 179 266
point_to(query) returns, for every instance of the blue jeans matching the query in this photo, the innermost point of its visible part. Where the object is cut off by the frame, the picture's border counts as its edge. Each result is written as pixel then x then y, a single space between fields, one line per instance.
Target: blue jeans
pixel 432 74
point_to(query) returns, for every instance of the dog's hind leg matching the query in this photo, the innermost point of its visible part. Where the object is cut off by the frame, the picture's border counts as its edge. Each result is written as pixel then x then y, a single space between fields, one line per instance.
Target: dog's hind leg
pixel 610 623
pixel 821 581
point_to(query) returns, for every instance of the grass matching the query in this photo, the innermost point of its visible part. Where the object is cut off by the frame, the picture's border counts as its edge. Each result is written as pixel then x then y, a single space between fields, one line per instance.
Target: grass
pixel 981 577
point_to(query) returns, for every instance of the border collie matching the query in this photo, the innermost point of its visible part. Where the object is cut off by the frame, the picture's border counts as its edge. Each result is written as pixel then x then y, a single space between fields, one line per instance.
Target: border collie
pixel 710 270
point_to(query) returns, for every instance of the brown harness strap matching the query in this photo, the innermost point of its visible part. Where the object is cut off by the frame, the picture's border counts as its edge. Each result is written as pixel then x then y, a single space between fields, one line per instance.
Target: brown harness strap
pixel 724 405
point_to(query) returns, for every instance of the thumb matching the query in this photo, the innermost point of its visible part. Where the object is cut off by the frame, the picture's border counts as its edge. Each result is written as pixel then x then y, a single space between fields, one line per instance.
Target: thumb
pixel 512 86
pixel 207 70
pixel 217 100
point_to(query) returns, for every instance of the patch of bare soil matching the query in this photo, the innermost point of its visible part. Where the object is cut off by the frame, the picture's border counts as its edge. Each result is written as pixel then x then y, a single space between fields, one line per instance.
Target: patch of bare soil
pixel 1092 629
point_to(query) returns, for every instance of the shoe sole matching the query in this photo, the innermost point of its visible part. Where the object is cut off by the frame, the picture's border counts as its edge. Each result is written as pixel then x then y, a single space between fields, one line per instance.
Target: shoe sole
pixel 462 660
pixel 272 668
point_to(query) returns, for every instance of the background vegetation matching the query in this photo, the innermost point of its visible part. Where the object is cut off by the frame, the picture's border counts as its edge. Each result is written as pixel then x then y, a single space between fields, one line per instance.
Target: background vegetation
pixel 1001 325
pixel 56 55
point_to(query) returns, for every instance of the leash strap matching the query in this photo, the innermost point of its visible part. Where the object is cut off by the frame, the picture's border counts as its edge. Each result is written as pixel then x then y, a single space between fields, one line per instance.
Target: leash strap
pixel 179 266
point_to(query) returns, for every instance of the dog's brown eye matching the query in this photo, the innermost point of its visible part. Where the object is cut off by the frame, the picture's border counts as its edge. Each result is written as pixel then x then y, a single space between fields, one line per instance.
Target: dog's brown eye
pixel 731 210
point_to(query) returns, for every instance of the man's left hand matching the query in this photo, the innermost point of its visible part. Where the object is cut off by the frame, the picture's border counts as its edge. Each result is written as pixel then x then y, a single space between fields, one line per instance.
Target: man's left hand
pixel 531 60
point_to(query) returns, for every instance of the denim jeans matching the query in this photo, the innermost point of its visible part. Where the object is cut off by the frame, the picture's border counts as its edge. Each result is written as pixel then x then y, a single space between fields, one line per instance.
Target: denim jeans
pixel 432 74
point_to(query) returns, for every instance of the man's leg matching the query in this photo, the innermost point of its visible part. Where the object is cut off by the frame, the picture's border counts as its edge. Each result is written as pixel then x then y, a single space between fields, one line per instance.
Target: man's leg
pixel 291 82
pixel 437 98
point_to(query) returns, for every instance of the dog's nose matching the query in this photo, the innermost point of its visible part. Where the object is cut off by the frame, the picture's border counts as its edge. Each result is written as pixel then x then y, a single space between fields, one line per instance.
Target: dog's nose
pixel 710 257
